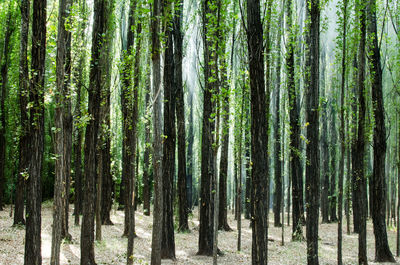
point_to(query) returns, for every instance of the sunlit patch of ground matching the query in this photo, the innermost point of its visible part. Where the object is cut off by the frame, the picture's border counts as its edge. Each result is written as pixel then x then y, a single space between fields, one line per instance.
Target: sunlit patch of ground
pixel 111 250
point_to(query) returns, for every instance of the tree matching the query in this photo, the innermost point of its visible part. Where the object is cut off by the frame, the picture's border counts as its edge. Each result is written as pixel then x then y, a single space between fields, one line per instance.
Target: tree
pixel 24 119
pixel 312 121
pixel 61 173
pixel 146 154
pixel 100 23
pixel 36 131
pixel 358 148
pixel 3 94
pixel 378 186
pixel 206 231
pixel 157 131
pixel 295 165
pixel 169 142
pixel 132 180
pixel 259 138
pixel 342 129
pixel 180 118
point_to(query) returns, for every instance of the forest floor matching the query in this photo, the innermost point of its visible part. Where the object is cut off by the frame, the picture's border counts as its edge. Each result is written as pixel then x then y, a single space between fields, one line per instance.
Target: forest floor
pixel 111 250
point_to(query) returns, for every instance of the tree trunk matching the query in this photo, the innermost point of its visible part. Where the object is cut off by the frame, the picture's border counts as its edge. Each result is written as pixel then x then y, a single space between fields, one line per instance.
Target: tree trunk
pixel 398 190
pixel 180 119
pixel 133 147
pixel 324 146
pixel 342 134
pixel 157 141
pixel 36 131
pixel 312 120
pixel 78 148
pixel 277 133
pixel 168 239
pixel 61 174
pixel 206 230
pixel 190 163
pixel 377 186
pixel 358 153
pixel 100 25
pixel 332 190
pixel 23 103
pixel 3 94
pixel 259 139
pixel 146 155
pixel 295 164
pixel 78 130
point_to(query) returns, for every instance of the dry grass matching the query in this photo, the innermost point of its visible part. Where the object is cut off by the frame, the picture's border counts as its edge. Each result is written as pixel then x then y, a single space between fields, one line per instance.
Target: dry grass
pixel 112 249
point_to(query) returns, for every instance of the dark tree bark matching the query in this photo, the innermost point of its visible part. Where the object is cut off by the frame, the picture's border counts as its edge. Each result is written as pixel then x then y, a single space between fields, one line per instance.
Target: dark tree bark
pixel 259 139
pixel 168 238
pixel 77 144
pixel 324 146
pixel 146 156
pixel 295 164
pixel 180 119
pixel 104 145
pixel 132 180
pixel 128 142
pixel 223 171
pixel 342 134
pixel 312 120
pixel 358 152
pixel 23 103
pixel 100 23
pixel 4 83
pixel 60 147
pixel 206 230
pixel 78 149
pixel 190 164
pixel 378 186
pixel 157 141
pixel 36 131
pixel 333 171
pixel 67 129
pixel 277 132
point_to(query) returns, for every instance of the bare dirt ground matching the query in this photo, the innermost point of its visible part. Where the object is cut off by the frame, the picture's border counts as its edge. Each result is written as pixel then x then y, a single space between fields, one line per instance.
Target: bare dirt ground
pixel 112 249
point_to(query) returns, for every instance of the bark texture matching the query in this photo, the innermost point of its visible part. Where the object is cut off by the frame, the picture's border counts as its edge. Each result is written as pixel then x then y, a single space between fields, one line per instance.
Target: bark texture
pixel 259 139
pixel 312 121
pixel 33 254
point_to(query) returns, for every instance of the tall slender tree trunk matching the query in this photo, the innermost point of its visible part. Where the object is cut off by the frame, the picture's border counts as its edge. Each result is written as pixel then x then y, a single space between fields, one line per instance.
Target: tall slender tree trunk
pixel 67 131
pixel 77 144
pixel 312 120
pixel 100 25
pixel 278 152
pixel 206 230
pixel 33 254
pixel 358 154
pixel 398 190
pixel 133 148
pixel 128 142
pixel 168 162
pixel 259 139
pixel 342 134
pixel 157 141
pixel 295 164
pixel 377 186
pixel 190 163
pixel 333 171
pixel 23 103
pixel 324 145
pixel 3 94
pixel 180 118
pixel 146 154
pixel 61 173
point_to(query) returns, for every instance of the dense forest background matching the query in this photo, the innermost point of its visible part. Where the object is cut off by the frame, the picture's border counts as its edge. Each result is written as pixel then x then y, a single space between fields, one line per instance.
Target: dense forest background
pixel 231 112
